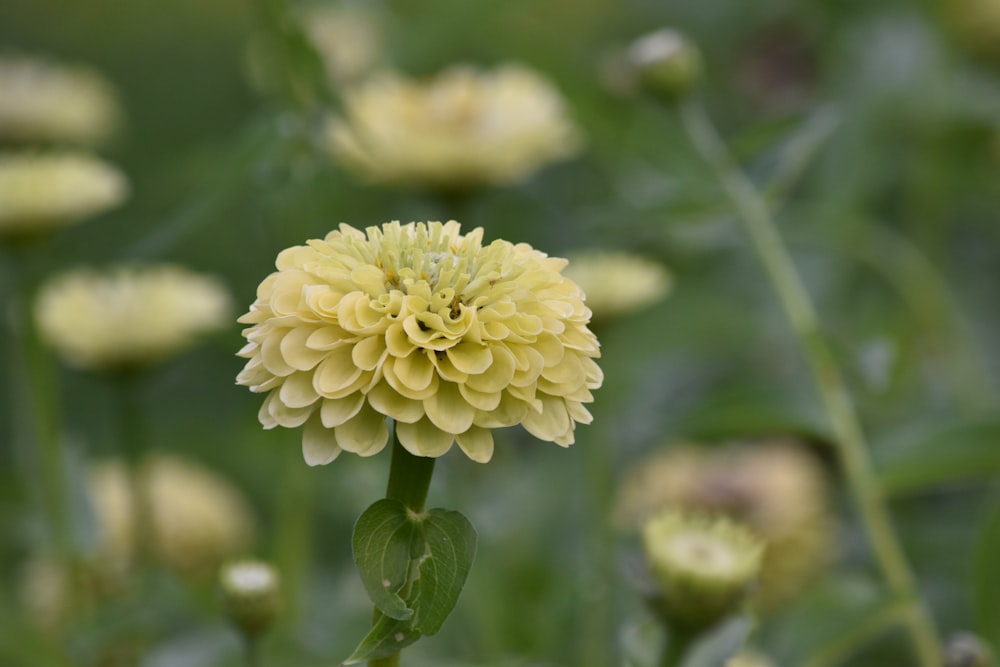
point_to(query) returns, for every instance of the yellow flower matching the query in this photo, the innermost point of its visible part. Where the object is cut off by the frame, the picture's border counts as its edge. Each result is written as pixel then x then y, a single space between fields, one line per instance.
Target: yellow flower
pixel 774 487
pixel 464 128
pixel 347 39
pixel 251 595
pixel 703 566
pixel 617 282
pixel 129 315
pixel 198 519
pixel 448 337
pixel 40 192
pixel 43 102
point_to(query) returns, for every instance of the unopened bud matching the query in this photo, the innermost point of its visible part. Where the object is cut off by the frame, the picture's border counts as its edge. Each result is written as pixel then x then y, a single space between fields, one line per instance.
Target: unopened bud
pixel 967 650
pixel 251 595
pixel 668 63
pixel 704 567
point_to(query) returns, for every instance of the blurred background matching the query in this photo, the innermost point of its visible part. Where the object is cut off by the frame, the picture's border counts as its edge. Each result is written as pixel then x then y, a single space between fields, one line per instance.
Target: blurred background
pixel 872 128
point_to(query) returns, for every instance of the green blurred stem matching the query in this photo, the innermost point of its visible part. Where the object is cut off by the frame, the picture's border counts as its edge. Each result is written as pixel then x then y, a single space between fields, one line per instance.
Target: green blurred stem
pixel 676 649
pixel 251 645
pixel 837 651
pixel 293 540
pixel 852 446
pixel 409 481
pixel 128 385
pixel 35 414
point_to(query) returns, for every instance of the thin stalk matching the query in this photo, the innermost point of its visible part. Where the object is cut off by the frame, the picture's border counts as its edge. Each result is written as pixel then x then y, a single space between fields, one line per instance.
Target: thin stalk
pixel 676 649
pixel 852 446
pixel 409 481
pixel 293 541
pixel 134 444
pixel 35 415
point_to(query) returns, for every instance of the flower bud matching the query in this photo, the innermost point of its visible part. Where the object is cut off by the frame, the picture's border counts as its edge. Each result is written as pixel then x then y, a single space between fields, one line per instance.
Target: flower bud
pixel 703 566
pixel 668 63
pixel 251 595
pixel 964 649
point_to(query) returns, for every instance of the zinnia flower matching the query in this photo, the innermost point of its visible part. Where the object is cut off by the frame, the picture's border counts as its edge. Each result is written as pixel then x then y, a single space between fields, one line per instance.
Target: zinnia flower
pixel 347 39
pixel 198 519
pixel 417 322
pixel 774 487
pixel 40 192
pixel 251 595
pixel 129 315
pixel 43 102
pixel 617 282
pixel 464 128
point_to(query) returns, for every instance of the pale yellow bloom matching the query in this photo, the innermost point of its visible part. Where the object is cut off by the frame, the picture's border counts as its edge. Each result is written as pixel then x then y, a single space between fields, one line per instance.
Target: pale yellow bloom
pixel 617 282
pixel 774 487
pixel 197 518
pixel 44 102
pixel 749 659
pixel 976 24
pixel 129 315
pixel 704 566
pixel 347 39
pixel 251 594
pixel 40 192
pixel 463 128
pixel 417 322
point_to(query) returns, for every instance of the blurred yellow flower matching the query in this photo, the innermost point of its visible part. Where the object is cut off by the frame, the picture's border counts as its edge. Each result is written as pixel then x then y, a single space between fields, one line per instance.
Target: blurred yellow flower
pixel 198 519
pixel 40 192
pixel 44 102
pixel 463 128
pixel 129 315
pixel 976 24
pixel 347 39
pixel 617 282
pixel 774 487
pixel 747 658
pixel 417 322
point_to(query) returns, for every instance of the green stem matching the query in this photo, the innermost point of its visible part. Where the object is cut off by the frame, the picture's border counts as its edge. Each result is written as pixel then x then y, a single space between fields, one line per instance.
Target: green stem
pixel 836 651
pixel 294 535
pixel 409 481
pixel 252 651
pixel 134 445
pixel 676 649
pixel 35 414
pixel 852 446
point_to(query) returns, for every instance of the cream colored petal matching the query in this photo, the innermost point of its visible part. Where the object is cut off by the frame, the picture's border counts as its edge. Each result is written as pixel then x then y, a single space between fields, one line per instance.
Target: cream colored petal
pixel 470 358
pixel 319 444
pixel 336 371
pixel 335 411
pixel 578 413
pixel 297 390
pixel 478 399
pixel 294 350
pixel 448 410
pixel 397 342
pixel 498 375
pixel 422 438
pixel 510 412
pixel 369 352
pixel 446 370
pixel 391 403
pixel 389 372
pixel 284 415
pixel 415 370
pixel 326 337
pixel 364 434
pixel 552 423
pixel 270 354
pixel 477 443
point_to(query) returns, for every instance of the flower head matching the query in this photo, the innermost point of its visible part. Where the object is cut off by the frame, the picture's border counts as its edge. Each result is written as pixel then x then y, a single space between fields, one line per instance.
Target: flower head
pixel 667 63
pixel 774 487
pixel 198 518
pixel 347 39
pixel 462 129
pixel 130 315
pixel 617 282
pixel 40 192
pixel 43 102
pixel 417 322
pixel 703 566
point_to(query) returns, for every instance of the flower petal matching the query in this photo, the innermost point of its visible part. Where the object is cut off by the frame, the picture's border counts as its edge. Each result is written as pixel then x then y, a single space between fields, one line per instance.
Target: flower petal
pixel 319 445
pixel 391 403
pixel 470 358
pixel 336 411
pixel 422 438
pixel 448 410
pixel 364 434
pixel 477 443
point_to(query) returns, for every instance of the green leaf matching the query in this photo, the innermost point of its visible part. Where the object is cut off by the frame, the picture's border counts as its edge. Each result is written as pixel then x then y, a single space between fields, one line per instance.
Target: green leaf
pixel 932 457
pixel 385 539
pixel 387 636
pixel 451 547
pixel 986 573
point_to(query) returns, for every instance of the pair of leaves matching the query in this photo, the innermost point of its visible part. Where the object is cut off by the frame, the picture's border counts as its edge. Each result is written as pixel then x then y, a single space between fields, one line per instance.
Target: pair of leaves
pixel 413 566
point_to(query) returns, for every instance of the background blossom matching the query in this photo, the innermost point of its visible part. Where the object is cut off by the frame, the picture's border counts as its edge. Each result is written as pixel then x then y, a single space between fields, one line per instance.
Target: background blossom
pixel 462 128
pixel 128 315
pixel 419 323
